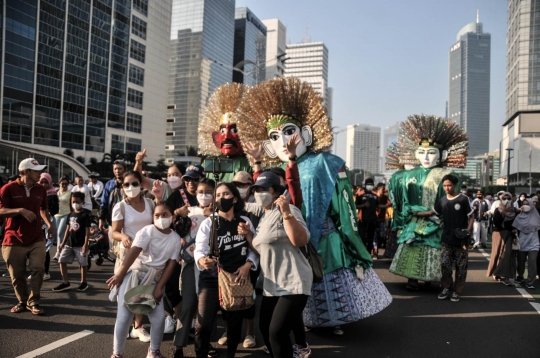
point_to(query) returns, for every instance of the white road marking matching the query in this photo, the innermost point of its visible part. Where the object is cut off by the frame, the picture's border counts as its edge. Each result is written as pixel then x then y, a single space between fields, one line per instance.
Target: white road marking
pixel 54 345
pixel 522 291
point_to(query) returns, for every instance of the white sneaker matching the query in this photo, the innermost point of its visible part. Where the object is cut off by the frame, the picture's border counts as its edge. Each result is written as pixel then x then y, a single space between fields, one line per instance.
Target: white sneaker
pixel 170 324
pixel 46 277
pixel 301 352
pixel 337 331
pixel 29 277
pixel 140 333
pixel 249 342
pixel 223 340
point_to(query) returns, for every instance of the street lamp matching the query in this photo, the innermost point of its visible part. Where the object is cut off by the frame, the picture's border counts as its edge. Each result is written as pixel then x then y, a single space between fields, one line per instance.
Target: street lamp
pixel 508 169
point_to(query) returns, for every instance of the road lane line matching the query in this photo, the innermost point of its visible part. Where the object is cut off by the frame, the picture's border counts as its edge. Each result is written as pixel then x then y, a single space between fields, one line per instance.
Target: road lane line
pixel 536 305
pixel 54 345
pixel 524 293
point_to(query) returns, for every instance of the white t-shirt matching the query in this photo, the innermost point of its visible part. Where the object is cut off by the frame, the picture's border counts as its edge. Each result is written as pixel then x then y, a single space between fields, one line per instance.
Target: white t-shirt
pixel 97 187
pixel 157 247
pixel 134 220
pixel 87 195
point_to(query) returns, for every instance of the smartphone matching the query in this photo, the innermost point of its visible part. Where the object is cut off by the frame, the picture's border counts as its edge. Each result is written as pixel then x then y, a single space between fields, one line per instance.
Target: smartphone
pixel 218 165
pixel 184 197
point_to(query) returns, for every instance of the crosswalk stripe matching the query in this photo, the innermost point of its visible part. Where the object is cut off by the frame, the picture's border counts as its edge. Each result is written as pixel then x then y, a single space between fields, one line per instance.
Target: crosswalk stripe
pixel 54 345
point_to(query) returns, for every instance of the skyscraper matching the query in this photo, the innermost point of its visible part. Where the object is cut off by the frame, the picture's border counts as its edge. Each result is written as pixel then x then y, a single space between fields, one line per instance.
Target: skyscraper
pixel 249 48
pixel 85 75
pixel 202 54
pixel 469 78
pixel 363 146
pixel 309 62
pixel 521 131
pixel 276 45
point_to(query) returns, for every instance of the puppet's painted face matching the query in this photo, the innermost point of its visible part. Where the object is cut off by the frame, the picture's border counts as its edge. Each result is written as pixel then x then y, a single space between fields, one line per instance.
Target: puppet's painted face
pixel 429 157
pixel 279 136
pixel 227 139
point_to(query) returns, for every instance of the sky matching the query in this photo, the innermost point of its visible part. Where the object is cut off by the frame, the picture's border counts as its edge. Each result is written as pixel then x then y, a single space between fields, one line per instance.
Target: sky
pixel 389 58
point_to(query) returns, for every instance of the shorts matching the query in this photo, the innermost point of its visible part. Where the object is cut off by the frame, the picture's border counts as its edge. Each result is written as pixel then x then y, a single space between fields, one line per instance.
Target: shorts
pixel 68 254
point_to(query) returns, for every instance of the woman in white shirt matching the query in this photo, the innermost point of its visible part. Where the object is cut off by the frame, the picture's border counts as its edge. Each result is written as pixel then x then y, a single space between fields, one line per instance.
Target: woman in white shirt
pixel 128 217
pixel 150 261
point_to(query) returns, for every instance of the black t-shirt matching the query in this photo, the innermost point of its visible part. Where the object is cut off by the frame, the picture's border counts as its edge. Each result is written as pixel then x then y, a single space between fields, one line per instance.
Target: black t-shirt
pixel 370 213
pixel 175 200
pixel 455 213
pixel 78 222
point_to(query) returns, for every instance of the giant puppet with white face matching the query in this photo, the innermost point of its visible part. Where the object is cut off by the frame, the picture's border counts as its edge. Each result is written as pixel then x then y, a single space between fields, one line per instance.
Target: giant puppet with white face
pixel 270 115
pixel 433 145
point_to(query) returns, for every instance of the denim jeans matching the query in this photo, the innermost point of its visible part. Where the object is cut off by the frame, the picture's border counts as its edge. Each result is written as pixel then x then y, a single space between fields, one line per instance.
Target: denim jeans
pixel 60 222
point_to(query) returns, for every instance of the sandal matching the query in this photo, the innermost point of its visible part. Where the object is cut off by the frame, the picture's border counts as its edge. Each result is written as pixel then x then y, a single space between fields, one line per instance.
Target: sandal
pixel 36 310
pixel 18 308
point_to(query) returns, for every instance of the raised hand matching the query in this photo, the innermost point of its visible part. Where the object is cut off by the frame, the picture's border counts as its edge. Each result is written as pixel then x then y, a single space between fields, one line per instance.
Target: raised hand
pixel 253 150
pixel 292 144
pixel 140 156
pixel 158 188
pixel 183 211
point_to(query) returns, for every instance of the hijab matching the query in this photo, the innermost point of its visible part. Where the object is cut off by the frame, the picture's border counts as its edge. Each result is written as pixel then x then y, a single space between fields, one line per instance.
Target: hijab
pixel 507 210
pixel 51 190
pixel 527 222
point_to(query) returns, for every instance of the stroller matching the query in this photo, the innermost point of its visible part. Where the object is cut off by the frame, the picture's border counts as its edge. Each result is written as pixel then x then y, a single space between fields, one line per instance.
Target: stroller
pixel 99 246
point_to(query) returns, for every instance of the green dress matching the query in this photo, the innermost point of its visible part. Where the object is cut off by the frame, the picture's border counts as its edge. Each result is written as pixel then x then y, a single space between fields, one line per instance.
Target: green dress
pixel 419 251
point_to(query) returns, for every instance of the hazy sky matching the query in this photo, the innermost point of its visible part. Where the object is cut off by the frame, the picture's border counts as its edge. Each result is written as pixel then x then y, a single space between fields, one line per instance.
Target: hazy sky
pixel 389 58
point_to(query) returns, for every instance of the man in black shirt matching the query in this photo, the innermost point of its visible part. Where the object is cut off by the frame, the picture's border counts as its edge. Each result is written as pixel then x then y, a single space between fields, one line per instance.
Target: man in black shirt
pixel 457 215
pixel 368 202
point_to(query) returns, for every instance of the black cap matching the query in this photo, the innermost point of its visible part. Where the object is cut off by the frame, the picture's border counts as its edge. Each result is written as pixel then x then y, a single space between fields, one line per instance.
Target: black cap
pixel 369 181
pixel 266 180
pixel 120 162
pixel 93 175
pixel 194 171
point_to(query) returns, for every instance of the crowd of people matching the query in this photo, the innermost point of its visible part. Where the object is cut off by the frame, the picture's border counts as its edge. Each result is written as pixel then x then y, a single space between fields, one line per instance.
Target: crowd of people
pixel 204 240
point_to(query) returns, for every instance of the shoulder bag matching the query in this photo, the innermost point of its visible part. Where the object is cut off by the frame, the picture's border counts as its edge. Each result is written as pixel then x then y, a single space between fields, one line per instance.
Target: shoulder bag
pixel 315 261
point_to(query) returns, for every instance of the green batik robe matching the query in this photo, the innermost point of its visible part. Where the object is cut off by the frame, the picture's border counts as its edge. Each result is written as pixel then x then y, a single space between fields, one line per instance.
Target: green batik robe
pixel 240 163
pixel 418 254
pixel 394 192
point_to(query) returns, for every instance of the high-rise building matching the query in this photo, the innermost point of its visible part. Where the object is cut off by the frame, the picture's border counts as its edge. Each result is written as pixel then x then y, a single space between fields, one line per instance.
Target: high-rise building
pixel 521 131
pixel 85 76
pixel 469 78
pixel 363 146
pixel 309 62
pixel 249 48
pixel 202 53
pixel 390 135
pixel 276 45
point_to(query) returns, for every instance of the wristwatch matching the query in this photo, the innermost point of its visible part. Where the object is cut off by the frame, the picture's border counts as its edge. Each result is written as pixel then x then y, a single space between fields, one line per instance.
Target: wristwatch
pixel 258 162
pixel 294 158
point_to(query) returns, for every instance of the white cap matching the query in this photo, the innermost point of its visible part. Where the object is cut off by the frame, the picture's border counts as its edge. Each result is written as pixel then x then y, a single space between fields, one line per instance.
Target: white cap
pixel 32 164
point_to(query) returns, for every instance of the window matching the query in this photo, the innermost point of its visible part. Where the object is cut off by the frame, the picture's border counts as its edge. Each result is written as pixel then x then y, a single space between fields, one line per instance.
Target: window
pixel 141 6
pixel 169 134
pixel 171 120
pixel 138 27
pixel 136 75
pixel 134 122
pixel 171 106
pixel 133 145
pixel 135 98
pixel 137 51
pixel 117 143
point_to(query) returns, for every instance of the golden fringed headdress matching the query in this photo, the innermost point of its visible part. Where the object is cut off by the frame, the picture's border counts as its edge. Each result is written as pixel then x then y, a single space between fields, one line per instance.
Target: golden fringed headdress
pixel 392 157
pixel 278 101
pixel 221 109
pixel 432 131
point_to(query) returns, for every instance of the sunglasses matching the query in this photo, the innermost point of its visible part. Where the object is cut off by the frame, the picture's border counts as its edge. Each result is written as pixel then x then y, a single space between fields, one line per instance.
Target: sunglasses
pixel 190 179
pixel 133 184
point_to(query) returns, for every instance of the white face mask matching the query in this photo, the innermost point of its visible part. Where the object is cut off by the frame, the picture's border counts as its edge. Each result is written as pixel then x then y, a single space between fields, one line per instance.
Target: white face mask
pixel 163 223
pixel 522 198
pixel 243 192
pixel 526 208
pixel 369 187
pixel 76 207
pixel 264 199
pixel 132 191
pixel 205 199
pixel 174 182
pixel 505 201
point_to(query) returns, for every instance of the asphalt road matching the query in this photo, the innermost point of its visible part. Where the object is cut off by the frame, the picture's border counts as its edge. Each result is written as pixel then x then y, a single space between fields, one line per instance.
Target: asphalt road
pixel 491 320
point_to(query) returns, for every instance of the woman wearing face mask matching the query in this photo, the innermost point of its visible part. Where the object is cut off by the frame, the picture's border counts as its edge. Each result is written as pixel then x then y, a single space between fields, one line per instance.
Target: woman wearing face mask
pixel 187 281
pixel 287 273
pixel 502 262
pixel 234 234
pixel 128 217
pixel 518 203
pixel 528 223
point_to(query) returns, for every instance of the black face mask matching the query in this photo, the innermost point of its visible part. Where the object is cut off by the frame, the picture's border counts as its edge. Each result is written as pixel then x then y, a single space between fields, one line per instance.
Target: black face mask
pixel 225 204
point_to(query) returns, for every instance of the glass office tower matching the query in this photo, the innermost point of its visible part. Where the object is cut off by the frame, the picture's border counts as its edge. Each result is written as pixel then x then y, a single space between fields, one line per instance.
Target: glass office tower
pixel 202 45
pixel 249 48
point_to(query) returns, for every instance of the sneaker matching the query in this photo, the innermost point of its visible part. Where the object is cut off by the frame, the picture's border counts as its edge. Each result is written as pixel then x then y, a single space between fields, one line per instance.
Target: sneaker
pixel 518 280
pixel 212 352
pixel 154 354
pixel 46 277
pixel 530 287
pixel 62 287
pixel 301 352
pixel 82 287
pixel 249 342
pixel 455 297
pixel 338 331
pixel 140 333
pixel 507 282
pixel 29 277
pixel 223 340
pixel 444 294
pixel 170 325
pixel 265 350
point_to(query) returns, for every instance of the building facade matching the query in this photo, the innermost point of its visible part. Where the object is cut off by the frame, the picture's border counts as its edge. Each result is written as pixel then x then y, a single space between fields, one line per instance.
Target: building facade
pixel 483 170
pixel 363 146
pixel 202 54
pixel 249 48
pixel 520 144
pixel 469 84
pixel 276 45
pixel 309 62
pixel 84 75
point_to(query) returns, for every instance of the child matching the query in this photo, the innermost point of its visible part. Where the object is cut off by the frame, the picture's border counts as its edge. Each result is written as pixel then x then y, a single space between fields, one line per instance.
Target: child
pixel 75 243
pixel 150 260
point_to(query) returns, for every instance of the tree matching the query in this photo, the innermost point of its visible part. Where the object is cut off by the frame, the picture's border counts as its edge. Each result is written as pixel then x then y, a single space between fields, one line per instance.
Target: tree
pixel 93 161
pixel 80 159
pixel 68 152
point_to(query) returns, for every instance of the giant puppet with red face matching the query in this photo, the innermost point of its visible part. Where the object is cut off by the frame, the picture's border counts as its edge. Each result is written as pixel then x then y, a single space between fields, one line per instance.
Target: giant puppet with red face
pixel 218 134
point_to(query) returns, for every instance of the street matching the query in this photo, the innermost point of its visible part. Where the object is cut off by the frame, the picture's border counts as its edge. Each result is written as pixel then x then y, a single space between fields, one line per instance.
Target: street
pixel 491 320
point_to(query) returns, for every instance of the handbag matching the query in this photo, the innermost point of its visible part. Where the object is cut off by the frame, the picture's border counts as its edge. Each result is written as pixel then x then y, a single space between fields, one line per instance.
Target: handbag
pixel 515 242
pixel 315 261
pixel 233 297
